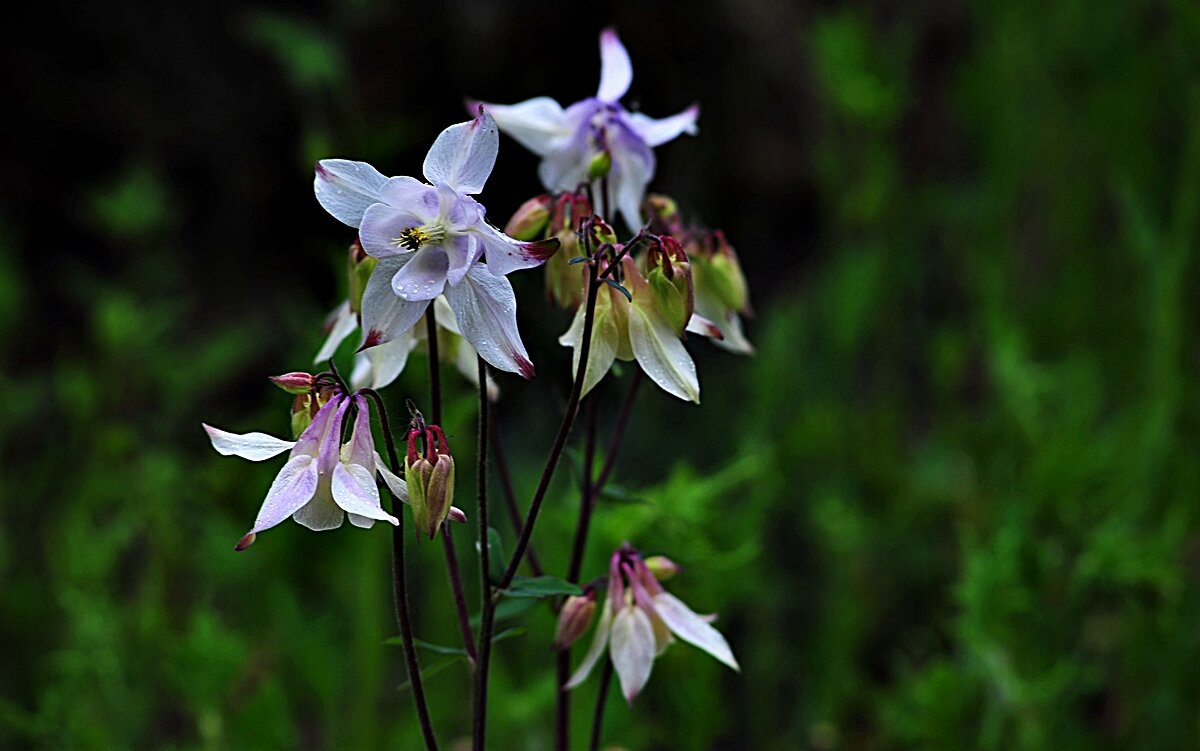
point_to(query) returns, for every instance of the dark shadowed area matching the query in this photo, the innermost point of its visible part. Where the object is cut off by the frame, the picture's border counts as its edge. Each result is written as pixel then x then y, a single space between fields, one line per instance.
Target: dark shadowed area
pixel 953 500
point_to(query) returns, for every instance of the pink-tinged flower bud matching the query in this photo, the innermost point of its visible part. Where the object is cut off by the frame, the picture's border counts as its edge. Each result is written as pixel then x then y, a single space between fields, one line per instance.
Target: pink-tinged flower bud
pixel 564 280
pixel 670 276
pixel 359 266
pixel 664 215
pixel 662 567
pixel 245 542
pixel 294 383
pixel 430 478
pixel 574 618
pixel 530 220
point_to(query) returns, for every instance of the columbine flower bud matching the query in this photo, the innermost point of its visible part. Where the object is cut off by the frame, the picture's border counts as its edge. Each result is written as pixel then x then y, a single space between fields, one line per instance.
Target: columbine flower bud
pixel 294 383
pixel 662 567
pixel 564 280
pixel 670 276
pixel 602 232
pixel 529 222
pixel 721 274
pixel 664 215
pixel 600 165
pixel 430 478
pixel 574 618
pixel 359 266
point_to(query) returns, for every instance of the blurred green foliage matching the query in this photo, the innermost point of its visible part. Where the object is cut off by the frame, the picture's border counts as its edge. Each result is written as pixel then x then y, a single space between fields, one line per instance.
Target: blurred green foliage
pixel 951 503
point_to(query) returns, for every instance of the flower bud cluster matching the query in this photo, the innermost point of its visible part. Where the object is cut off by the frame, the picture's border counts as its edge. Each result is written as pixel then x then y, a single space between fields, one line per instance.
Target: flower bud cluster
pixel 429 472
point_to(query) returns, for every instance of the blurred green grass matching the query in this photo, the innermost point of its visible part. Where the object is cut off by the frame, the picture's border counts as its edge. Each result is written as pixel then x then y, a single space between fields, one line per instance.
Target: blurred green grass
pixel 950 504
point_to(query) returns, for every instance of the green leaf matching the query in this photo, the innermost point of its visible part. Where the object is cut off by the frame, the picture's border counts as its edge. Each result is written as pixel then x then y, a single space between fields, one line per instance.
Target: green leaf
pixel 432 670
pixel 540 586
pixel 508 609
pixel 618 494
pixel 445 649
pixel 497 561
pixel 617 286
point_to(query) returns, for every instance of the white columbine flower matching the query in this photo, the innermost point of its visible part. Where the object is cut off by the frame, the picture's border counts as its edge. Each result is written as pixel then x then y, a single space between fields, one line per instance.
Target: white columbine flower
pixel 322 481
pixel 637 623
pixel 569 139
pixel 430 239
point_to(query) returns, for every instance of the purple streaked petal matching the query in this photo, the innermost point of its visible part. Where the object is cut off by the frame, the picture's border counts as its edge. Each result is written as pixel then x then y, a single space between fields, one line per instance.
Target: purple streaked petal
pixel 505 254
pixel 423 277
pixel 410 194
pixel 693 628
pixel 599 642
pixel 616 70
pixel 309 442
pixel 632 649
pixel 293 487
pixel 486 311
pixel 538 124
pixel 331 440
pixel 461 251
pixel 354 490
pixel 382 226
pixel 632 170
pixel 253 446
pixel 463 155
pixel 656 132
pixel 345 189
pixel 385 316
pixel 361 447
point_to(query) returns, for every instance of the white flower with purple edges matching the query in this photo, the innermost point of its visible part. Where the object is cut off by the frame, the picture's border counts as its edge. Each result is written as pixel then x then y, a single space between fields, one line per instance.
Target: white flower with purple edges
pixel 433 239
pixel 323 481
pixel 569 139
pixel 637 623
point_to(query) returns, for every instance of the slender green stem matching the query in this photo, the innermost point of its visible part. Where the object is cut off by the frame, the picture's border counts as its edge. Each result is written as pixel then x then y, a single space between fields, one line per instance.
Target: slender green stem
pixel 564 429
pixel 601 698
pixel 487 606
pixel 435 413
pixel 400 585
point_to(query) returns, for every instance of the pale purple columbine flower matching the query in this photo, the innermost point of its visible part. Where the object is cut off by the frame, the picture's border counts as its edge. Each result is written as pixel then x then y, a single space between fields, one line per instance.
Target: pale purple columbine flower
pixel 323 480
pixel 637 623
pixel 430 239
pixel 569 139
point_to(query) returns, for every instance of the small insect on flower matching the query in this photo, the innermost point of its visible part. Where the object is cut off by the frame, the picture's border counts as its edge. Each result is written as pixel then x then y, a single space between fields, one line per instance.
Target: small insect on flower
pixel 639 621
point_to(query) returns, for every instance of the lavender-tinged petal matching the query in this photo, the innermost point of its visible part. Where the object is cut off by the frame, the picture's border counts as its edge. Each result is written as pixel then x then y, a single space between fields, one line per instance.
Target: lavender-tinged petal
pixel 331 441
pixel 293 487
pixel 599 642
pixel 424 276
pixel 361 447
pixel 345 189
pixel 343 325
pixel 253 446
pixel 411 195
pixel 616 70
pixel 464 154
pixel 382 226
pixel 445 316
pixel 309 442
pixel 632 649
pixel 565 169
pixel 632 170
pixel 461 251
pixel 486 311
pixel 321 513
pixel 538 124
pixel 385 316
pixel 354 489
pixel 657 131
pixel 505 255
pixel 693 628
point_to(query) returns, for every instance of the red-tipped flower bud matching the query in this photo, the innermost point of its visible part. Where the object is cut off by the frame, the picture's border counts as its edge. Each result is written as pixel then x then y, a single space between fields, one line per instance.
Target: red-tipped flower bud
pixel 430 478
pixel 294 383
pixel 574 618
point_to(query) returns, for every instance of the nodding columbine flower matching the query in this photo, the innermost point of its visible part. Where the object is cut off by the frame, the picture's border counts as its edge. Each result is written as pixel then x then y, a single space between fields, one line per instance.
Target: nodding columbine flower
pixel 596 136
pixel 430 476
pixel 432 239
pixel 322 481
pixel 637 623
pixel 634 328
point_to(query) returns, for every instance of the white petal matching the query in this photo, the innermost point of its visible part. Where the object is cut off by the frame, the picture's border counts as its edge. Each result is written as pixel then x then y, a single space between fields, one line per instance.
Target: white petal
pixel 378 366
pixel 616 71
pixel 599 641
pixel 355 491
pixel 253 446
pixel 605 336
pixel 693 628
pixel 538 124
pixel 292 488
pixel 735 340
pixel 632 649
pixel 655 343
pixel 385 316
pixel 423 277
pixel 633 168
pixel 395 484
pixel 345 188
pixel 486 311
pixel 464 154
pixel 698 324
pixel 656 132
pixel 344 324
pixel 505 254
pixel 321 513
pixel 445 316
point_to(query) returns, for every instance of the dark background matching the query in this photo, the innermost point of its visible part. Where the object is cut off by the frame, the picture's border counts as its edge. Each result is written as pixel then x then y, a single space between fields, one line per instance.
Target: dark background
pixel 951 502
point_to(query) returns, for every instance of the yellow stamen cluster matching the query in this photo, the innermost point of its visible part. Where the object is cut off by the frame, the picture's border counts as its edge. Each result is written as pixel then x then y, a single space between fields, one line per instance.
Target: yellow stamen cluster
pixel 414 237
